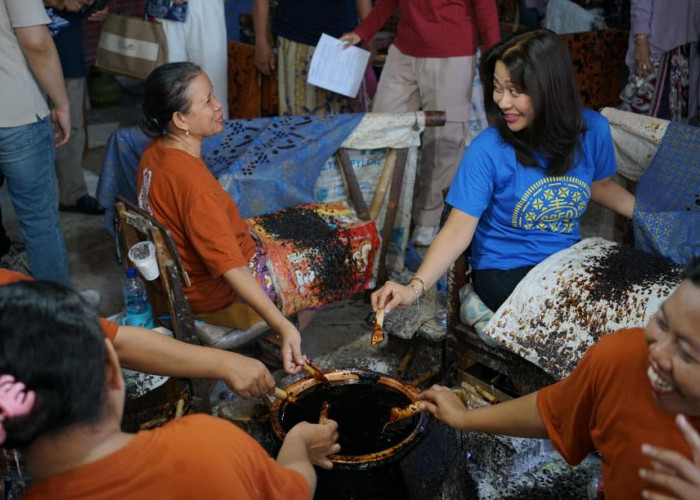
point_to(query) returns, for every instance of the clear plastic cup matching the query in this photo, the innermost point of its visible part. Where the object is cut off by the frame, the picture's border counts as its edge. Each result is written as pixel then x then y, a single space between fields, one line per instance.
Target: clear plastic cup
pixel 143 255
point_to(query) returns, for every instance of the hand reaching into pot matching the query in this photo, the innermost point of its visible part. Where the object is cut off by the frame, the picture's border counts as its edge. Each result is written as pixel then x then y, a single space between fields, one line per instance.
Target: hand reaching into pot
pixel 444 405
pixel 309 444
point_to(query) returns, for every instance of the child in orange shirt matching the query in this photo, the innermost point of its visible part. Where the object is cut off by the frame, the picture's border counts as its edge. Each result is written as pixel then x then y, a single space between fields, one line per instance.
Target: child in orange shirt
pixel 627 399
pixel 61 404
pixel 150 352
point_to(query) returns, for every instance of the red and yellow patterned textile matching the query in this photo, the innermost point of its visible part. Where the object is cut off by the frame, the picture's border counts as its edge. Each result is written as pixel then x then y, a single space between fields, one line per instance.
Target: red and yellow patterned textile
pixel 316 254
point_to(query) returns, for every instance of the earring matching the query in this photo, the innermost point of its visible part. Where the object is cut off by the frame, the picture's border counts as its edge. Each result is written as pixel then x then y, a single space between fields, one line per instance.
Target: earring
pixel 187 132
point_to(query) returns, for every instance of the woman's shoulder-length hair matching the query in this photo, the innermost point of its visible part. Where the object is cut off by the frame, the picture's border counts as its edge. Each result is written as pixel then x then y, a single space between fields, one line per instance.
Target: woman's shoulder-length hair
pixel 539 64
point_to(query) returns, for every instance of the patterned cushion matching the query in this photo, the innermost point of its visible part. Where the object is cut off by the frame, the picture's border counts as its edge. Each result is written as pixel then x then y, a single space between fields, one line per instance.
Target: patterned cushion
pixel 572 298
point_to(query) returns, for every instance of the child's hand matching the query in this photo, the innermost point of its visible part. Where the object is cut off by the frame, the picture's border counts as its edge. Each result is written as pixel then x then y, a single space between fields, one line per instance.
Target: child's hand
pixel 673 471
pixel 320 440
pixel 444 404
pixel 292 358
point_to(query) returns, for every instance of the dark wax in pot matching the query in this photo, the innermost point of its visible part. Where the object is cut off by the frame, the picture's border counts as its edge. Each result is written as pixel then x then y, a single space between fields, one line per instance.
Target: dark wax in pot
pixel 361 411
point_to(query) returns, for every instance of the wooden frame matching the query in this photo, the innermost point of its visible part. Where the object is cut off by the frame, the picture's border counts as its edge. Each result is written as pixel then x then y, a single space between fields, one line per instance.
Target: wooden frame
pixel 137 225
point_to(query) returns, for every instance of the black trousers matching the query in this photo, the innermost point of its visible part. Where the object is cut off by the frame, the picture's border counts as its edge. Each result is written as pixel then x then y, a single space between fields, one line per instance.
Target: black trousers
pixel 4 240
pixel 495 285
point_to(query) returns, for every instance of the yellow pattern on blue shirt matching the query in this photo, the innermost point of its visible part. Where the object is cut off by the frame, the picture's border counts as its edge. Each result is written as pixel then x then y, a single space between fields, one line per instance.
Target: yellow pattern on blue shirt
pixel 552 204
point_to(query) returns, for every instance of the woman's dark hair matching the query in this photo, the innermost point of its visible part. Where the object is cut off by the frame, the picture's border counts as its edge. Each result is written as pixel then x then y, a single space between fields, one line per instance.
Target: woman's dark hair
pixel 540 66
pixel 51 341
pixel 166 93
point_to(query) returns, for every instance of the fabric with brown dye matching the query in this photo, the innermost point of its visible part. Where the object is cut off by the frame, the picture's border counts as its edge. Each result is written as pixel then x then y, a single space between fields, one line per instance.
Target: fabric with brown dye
pixel 317 254
pixel 250 93
pixel 578 295
pixel 598 57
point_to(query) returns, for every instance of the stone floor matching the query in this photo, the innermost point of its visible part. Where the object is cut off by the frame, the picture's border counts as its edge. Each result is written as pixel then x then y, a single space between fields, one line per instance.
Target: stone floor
pixel 338 337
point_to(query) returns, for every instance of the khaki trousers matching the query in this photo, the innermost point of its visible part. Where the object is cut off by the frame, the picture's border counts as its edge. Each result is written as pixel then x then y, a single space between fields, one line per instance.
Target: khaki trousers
pixel 437 84
pixel 69 157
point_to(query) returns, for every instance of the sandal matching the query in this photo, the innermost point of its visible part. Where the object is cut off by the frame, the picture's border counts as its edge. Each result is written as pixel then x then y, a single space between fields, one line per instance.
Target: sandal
pixel 86 204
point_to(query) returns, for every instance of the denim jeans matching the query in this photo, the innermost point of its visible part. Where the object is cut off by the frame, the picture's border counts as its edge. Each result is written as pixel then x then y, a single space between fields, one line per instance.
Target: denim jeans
pixel 27 157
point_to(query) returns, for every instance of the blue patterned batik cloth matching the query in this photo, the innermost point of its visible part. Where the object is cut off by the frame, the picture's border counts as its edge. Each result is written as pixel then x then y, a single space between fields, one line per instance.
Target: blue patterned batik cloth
pixel 667 213
pixel 166 9
pixel 265 164
pixel 57 22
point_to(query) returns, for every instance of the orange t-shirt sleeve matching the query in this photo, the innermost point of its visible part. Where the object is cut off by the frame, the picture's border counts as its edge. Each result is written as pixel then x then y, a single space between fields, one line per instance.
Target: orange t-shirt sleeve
pixel 258 474
pixel 7 277
pixel 568 407
pixel 109 328
pixel 218 458
pixel 212 226
pixel 277 481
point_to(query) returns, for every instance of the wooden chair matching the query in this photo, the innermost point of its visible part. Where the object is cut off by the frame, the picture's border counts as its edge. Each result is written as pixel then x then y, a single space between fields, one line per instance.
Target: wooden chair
pixel 463 348
pixel 166 294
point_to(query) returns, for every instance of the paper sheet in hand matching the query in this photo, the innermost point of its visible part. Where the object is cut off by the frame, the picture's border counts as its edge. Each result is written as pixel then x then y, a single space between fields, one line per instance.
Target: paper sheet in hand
pixel 335 69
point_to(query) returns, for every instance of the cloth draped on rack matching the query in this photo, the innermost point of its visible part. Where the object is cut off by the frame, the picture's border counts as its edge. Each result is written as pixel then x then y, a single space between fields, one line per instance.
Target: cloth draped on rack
pixel 667 213
pixel 265 164
pixel 269 164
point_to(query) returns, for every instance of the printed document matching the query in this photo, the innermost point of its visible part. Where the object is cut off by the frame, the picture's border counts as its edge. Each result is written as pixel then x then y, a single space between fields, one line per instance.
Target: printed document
pixel 335 69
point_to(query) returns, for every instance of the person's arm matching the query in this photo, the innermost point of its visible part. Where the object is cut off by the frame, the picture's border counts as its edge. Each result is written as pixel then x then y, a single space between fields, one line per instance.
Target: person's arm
pixel 98 17
pixel 517 417
pixel 640 17
pixel 364 7
pixel 264 55
pixel 40 51
pixel 69 5
pixel 248 289
pixel 673 471
pixel 640 31
pixel 452 240
pixel 150 352
pixel 486 14
pixel 373 21
pixel 309 444
pixel 611 195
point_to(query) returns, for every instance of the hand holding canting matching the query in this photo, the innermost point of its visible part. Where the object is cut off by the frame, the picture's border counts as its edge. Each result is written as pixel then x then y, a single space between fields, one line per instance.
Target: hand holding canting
pixel 320 440
pixel 443 404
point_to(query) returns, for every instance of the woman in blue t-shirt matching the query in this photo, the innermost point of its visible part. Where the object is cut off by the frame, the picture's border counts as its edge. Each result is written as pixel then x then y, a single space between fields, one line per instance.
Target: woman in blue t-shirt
pixel 524 182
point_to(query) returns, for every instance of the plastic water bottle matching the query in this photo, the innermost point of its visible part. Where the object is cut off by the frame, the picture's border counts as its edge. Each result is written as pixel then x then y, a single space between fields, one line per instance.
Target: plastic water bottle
pixel 134 291
pixel 441 301
pixel 138 310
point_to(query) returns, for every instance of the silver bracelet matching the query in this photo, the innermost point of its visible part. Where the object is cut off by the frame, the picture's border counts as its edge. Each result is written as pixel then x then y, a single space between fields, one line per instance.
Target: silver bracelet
pixel 422 283
pixel 415 290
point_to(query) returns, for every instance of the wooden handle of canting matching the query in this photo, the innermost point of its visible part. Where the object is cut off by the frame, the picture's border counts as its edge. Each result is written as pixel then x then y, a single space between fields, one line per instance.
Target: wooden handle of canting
pixel 281 394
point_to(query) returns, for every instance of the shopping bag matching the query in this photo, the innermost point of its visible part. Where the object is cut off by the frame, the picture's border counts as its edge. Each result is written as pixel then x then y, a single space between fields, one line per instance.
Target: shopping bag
pixel 131 46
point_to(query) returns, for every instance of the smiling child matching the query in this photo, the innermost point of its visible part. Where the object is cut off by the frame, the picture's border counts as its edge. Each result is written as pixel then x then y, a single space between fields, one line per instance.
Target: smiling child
pixel 624 399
